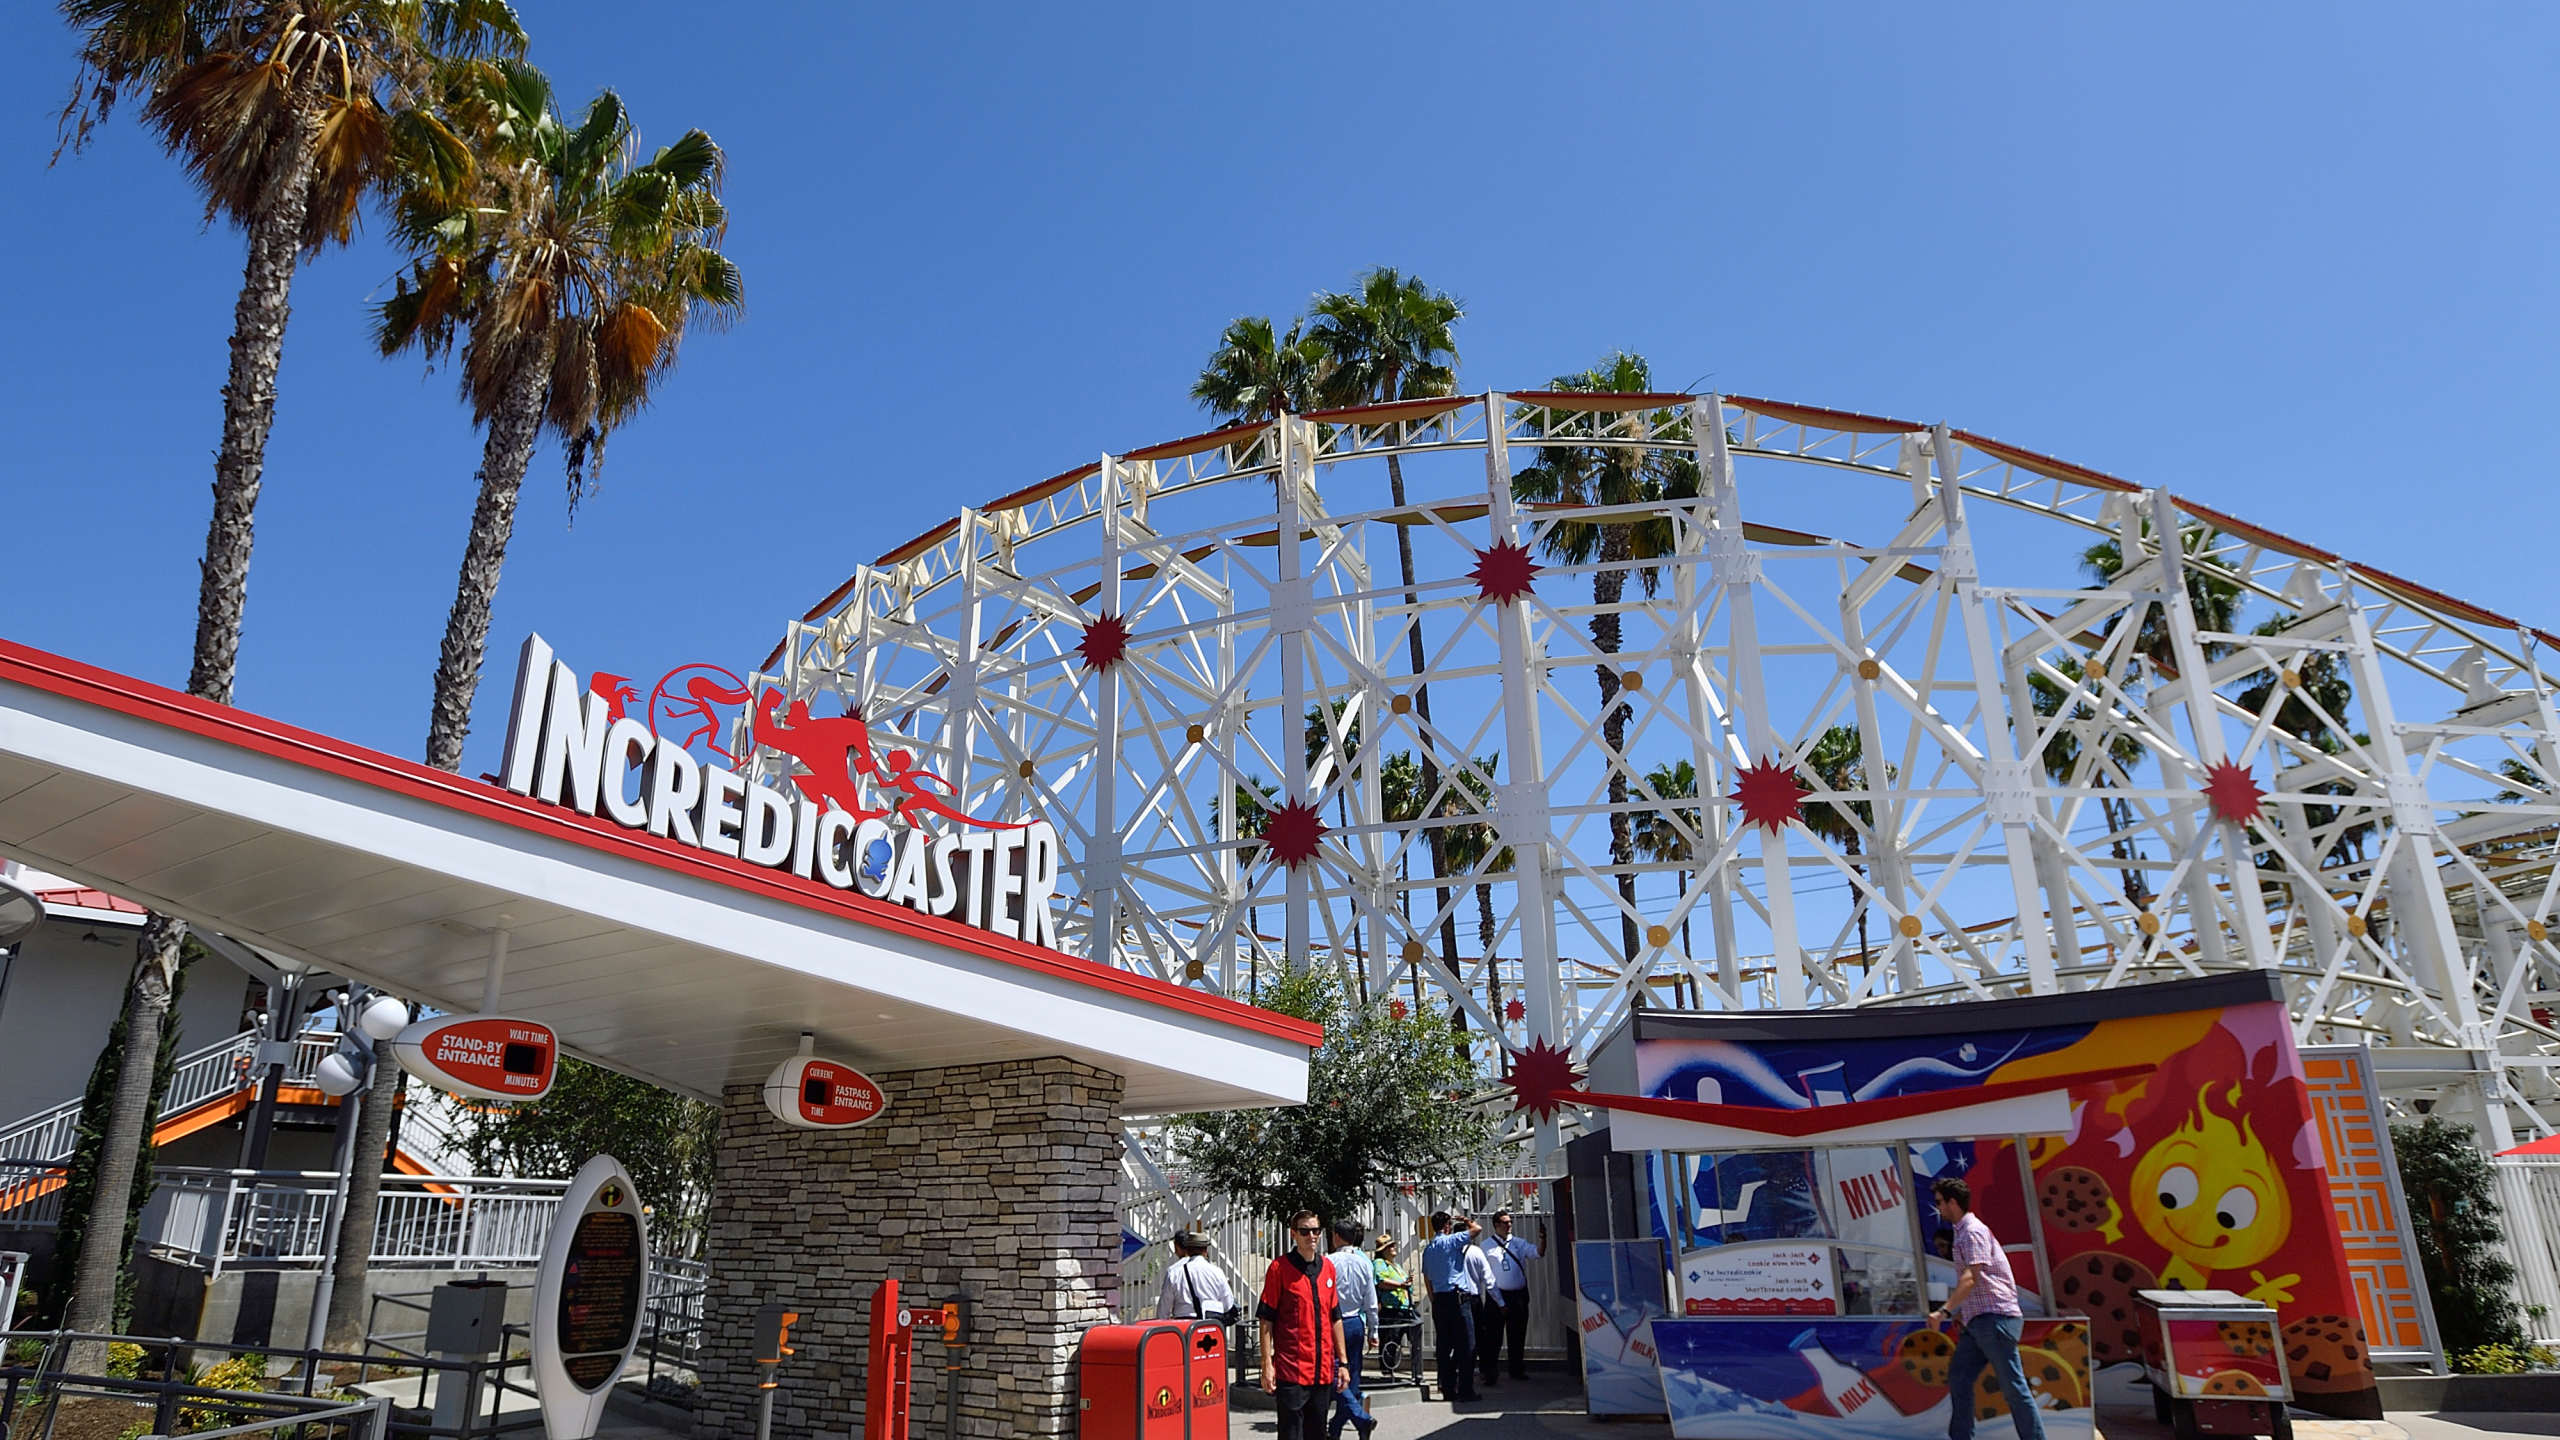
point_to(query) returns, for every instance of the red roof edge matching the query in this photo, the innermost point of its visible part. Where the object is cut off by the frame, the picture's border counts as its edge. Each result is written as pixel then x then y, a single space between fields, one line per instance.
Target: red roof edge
pixel 88 684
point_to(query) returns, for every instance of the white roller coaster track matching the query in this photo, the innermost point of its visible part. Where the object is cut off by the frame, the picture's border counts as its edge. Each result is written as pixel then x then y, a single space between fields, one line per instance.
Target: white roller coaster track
pixel 1912 588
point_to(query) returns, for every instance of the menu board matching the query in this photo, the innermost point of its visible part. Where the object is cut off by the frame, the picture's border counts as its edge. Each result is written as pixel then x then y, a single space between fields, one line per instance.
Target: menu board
pixel 600 1297
pixel 1758 1280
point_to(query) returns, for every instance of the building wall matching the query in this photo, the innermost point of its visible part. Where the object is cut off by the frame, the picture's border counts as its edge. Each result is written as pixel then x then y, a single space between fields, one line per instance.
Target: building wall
pixel 61 992
pixel 998 1181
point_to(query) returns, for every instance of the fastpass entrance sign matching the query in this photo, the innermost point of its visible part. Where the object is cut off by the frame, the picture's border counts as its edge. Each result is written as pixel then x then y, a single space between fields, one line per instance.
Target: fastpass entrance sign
pixel 816 1094
pixel 858 822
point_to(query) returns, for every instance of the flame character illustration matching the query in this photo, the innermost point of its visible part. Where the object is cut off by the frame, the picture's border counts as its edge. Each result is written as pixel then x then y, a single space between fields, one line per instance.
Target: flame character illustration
pixel 2213 1199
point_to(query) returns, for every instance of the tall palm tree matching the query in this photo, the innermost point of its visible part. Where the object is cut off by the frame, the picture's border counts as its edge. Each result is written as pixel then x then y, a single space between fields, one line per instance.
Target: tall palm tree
pixel 1392 339
pixel 2121 751
pixel 1597 475
pixel 1839 760
pixel 1257 373
pixel 283 112
pixel 568 274
pixel 1662 832
pixel 1476 848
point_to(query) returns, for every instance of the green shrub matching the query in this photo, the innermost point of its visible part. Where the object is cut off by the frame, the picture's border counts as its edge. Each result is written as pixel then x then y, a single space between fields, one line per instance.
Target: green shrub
pixel 124 1360
pixel 2460 1245
pixel 2501 1360
pixel 240 1372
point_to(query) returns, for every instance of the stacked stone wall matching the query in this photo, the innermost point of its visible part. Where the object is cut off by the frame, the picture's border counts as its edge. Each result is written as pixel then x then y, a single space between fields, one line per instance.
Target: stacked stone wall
pixel 998 1181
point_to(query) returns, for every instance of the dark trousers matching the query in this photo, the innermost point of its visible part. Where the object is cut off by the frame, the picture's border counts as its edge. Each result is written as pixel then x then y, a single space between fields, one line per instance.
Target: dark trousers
pixel 1302 1410
pixel 1489 1339
pixel 1453 1317
pixel 1354 1409
pixel 1509 1322
pixel 1990 1340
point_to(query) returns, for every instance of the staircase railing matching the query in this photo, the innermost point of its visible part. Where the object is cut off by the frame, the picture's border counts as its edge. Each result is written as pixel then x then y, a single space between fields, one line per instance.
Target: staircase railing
pixel 276 1219
pixel 218 1070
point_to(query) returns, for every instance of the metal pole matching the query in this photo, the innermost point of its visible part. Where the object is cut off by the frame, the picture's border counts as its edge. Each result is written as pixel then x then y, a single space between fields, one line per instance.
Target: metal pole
pixel 315 1330
pixel 764 1415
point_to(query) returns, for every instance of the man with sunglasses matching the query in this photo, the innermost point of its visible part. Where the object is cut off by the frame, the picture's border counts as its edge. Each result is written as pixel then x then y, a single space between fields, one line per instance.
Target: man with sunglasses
pixel 1301 1333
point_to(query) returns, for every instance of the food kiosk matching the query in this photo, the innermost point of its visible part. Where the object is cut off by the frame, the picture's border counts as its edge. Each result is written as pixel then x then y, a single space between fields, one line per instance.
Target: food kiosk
pixel 1782 1164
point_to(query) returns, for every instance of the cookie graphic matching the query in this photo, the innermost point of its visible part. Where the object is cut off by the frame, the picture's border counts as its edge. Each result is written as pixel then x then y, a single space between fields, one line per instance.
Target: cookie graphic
pixel 2100 1284
pixel 2233 1384
pixel 2055 1384
pixel 2247 1337
pixel 1924 1356
pixel 2325 1355
pixel 2070 1340
pixel 2054 1377
pixel 2075 1199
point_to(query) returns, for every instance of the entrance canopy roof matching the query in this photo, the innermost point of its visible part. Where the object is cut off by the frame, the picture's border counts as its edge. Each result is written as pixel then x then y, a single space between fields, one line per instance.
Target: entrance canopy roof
pixel 683 967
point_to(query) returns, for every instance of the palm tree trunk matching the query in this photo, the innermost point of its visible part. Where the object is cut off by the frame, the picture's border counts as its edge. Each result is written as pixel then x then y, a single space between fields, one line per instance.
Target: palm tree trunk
pixel 364 1199
pixel 248 415
pixel 503 458
pixel 1607 588
pixel 1419 658
pixel 93 1298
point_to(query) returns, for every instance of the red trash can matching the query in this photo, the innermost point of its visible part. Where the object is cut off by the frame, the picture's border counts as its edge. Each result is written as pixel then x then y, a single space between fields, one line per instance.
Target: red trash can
pixel 1134 1381
pixel 1208 1376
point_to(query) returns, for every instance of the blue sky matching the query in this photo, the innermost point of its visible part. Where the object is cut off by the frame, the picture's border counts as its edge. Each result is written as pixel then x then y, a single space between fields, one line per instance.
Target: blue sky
pixel 2294 262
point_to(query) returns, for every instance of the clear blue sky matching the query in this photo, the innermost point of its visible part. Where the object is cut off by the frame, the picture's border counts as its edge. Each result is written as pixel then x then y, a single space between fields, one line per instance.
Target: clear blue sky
pixel 2295 261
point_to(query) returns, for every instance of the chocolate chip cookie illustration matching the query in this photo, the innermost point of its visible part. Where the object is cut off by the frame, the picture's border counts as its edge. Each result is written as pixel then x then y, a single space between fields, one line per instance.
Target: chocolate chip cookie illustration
pixel 2325 1354
pixel 1924 1355
pixel 2100 1284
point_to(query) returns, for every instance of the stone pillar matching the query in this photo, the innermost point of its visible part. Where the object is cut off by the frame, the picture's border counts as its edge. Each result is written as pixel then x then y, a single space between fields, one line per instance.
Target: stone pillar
pixel 999 1181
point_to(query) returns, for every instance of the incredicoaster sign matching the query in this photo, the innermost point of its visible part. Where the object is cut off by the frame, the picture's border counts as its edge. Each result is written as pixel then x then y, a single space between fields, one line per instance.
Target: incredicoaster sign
pixel 566 746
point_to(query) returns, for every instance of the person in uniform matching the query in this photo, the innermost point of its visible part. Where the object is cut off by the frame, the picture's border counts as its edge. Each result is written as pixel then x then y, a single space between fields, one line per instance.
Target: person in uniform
pixel 1509 1255
pixel 1301 1315
pixel 1453 1305
pixel 1194 1289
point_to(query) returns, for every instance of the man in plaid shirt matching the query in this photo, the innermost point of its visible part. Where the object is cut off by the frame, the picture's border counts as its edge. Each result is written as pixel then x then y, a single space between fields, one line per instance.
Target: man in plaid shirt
pixel 1984 1306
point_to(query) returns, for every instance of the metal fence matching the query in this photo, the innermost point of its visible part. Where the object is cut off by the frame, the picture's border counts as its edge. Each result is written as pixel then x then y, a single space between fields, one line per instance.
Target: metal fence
pixel 30 1194
pixel 219 1069
pixel 2529 1192
pixel 215 1219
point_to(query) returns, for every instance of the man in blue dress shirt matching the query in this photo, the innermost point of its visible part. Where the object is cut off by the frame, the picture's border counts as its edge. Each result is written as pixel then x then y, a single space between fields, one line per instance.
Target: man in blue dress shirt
pixel 1453 1304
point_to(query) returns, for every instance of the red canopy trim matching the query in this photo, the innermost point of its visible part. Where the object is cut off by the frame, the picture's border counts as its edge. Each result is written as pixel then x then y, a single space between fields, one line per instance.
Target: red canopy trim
pixel 1391 412
pixel 2259 534
pixel 1821 419
pixel 2045 465
pixel 2547 1145
pixel 1195 444
pixel 1817 1119
pixel 1609 402
pixel 1033 494
pixel 2416 593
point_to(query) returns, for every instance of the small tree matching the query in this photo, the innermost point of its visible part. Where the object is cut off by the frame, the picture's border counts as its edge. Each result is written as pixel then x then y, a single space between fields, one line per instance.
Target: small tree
pixel 668 1142
pixel 2447 1181
pixel 1381 1104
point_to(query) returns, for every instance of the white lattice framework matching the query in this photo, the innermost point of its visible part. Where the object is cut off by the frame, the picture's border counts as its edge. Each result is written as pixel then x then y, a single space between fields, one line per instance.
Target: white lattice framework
pixel 1914 592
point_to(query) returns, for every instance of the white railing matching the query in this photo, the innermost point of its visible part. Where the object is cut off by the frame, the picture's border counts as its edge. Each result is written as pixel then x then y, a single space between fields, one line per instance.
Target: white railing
pixel 217 1219
pixel 2529 1192
pixel 222 1068
pixel 30 1195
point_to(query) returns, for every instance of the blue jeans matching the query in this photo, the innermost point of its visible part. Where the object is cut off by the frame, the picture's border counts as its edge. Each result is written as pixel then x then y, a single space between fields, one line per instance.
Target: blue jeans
pixel 1990 1340
pixel 1354 1408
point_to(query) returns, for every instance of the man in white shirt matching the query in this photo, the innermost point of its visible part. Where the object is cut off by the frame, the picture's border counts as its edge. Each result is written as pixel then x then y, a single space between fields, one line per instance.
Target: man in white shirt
pixel 1509 1256
pixel 1193 1288
pixel 1355 1288
pixel 1489 1319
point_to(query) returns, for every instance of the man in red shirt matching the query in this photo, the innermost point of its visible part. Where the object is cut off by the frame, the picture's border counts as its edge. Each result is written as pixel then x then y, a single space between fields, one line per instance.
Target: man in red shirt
pixel 1302 1356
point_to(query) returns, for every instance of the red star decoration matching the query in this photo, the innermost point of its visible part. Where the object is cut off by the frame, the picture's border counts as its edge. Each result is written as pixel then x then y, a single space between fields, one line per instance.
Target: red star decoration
pixel 1396 1008
pixel 1514 1009
pixel 2234 794
pixel 1770 794
pixel 1292 832
pixel 1540 1077
pixel 1104 642
pixel 1503 572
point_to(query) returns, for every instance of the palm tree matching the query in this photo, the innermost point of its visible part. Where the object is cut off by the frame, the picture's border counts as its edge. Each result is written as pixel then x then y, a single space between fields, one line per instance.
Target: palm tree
pixel 573 273
pixel 1596 475
pixel 1662 832
pixel 1475 848
pixel 2061 755
pixel 283 112
pixel 1839 760
pixel 1258 374
pixel 1388 340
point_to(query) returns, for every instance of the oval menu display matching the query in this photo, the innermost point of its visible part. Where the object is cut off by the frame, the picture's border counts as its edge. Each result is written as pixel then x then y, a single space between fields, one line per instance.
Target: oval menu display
pixel 487 1057
pixel 600 1293
pixel 587 1297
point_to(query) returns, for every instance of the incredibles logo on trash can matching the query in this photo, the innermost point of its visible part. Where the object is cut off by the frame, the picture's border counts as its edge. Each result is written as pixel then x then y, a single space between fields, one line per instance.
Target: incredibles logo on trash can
pixel 1166 1404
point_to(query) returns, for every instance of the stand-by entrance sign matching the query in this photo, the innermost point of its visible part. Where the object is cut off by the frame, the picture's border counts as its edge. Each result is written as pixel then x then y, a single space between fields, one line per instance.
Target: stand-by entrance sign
pixel 586 1300
pixel 486 1057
